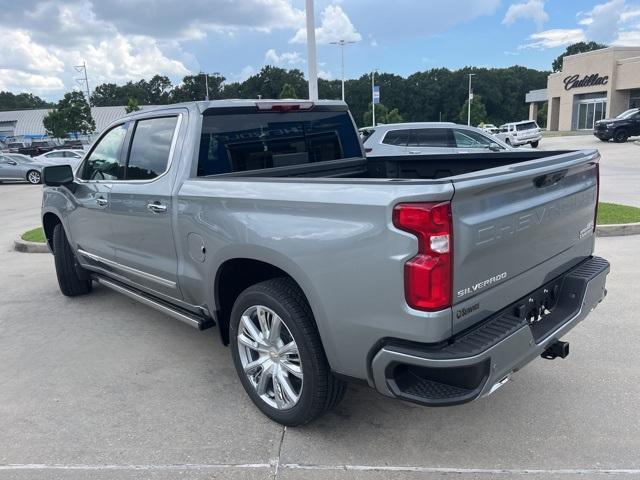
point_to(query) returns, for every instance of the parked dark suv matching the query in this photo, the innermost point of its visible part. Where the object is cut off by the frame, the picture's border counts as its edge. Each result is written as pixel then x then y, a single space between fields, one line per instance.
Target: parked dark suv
pixel 625 125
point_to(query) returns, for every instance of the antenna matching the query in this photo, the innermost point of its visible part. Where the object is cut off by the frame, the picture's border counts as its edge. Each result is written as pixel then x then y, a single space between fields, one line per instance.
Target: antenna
pixel 82 69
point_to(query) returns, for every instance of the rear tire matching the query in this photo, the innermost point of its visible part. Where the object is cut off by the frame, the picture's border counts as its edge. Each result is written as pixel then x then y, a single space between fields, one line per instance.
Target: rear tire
pixel 34 177
pixel 535 144
pixel 620 136
pixel 303 396
pixel 72 278
pixel 507 141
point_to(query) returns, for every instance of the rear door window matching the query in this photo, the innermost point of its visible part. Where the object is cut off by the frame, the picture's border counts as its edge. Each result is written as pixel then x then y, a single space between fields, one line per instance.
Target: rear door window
pixel 150 148
pixel 430 137
pixel 255 141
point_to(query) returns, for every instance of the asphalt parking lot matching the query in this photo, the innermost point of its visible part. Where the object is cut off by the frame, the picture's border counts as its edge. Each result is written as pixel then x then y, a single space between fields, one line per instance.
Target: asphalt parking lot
pixel 101 387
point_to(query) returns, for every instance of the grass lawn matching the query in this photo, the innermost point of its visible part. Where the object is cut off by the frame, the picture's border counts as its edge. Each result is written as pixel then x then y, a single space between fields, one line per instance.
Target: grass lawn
pixel 610 213
pixel 35 235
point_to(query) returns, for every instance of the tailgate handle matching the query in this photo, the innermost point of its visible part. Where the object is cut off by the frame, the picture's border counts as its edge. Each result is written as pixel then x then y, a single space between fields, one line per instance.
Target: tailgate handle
pixel 549 179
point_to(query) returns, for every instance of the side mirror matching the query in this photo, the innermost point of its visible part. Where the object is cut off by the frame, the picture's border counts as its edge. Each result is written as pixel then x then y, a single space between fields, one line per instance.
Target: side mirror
pixel 57 175
pixel 494 147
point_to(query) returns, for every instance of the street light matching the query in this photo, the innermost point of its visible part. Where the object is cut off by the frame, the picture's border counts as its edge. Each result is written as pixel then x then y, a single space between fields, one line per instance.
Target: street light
pixel 342 43
pixel 469 100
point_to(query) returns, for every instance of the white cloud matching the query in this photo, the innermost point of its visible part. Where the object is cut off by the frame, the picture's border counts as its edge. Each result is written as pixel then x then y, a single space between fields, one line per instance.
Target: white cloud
pixel 610 23
pixel 325 74
pixel 285 59
pixel 334 26
pixel 531 9
pixel 558 37
pixel 246 72
pixel 21 81
pixel 603 21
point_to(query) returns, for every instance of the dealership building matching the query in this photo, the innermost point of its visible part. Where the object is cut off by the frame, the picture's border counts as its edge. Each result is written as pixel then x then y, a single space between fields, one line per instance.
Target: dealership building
pixel 591 86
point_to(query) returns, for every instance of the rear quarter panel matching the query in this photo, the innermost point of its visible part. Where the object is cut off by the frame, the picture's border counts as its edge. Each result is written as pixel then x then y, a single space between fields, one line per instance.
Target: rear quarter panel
pixel 335 238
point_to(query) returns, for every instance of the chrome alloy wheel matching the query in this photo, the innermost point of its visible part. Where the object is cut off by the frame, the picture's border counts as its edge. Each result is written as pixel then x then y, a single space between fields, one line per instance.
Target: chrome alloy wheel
pixel 33 177
pixel 270 357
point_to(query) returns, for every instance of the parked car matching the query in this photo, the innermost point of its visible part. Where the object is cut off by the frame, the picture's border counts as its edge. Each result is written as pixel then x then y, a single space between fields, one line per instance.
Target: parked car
pixel 489 128
pixel 13 147
pixel 37 147
pixel 61 156
pixel 75 145
pixel 426 138
pixel 16 167
pixel 625 125
pixel 520 133
pixel 431 278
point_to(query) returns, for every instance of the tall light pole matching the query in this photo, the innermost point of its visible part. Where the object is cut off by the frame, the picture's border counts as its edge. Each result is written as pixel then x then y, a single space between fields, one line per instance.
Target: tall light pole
pixel 373 100
pixel 206 86
pixel 342 43
pixel 311 51
pixel 469 100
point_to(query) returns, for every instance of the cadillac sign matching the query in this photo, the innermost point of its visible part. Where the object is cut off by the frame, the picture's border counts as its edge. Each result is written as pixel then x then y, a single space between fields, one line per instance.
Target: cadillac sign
pixel 592 80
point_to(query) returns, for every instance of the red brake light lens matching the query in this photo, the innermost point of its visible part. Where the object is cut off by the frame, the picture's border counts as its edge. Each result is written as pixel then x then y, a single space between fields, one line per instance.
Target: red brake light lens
pixel 283 106
pixel 427 276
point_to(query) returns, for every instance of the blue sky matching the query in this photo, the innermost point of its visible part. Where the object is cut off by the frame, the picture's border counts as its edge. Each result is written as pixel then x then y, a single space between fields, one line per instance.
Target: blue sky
pixel 124 40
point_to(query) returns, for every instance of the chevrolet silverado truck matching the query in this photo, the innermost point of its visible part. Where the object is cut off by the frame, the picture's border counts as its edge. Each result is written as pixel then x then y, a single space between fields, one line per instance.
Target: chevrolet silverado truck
pixel 429 278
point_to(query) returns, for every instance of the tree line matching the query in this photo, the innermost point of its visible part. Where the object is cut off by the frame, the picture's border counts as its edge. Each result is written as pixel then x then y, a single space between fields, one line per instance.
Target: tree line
pixel 432 95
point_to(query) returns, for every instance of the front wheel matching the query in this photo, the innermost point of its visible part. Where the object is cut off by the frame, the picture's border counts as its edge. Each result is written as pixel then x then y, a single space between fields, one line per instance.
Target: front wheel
pixel 33 177
pixel 72 278
pixel 620 135
pixel 535 144
pixel 278 355
pixel 507 141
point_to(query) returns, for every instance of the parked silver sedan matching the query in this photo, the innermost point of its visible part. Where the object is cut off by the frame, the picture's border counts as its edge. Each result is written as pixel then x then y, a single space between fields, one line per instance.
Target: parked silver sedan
pixel 17 167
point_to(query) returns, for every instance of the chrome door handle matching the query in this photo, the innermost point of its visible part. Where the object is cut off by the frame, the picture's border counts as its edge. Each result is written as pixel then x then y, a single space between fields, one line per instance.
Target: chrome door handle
pixel 156 208
pixel 103 202
pixel 414 152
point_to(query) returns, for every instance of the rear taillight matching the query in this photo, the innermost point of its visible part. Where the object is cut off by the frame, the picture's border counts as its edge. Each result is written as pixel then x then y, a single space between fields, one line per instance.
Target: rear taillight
pixel 427 276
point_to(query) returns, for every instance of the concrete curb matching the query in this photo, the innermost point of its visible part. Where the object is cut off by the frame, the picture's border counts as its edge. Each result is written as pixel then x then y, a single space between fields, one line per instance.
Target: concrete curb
pixel 23 246
pixel 618 230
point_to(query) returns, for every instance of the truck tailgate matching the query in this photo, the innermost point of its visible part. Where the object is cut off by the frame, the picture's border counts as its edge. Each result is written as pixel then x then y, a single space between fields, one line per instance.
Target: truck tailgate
pixel 510 220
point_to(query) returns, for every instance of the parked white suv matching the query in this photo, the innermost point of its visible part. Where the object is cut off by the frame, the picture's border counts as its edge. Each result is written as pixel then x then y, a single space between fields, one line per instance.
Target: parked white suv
pixel 520 133
pixel 424 138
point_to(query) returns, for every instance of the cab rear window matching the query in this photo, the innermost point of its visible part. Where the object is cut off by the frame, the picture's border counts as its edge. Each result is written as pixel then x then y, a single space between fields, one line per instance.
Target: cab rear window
pixel 255 141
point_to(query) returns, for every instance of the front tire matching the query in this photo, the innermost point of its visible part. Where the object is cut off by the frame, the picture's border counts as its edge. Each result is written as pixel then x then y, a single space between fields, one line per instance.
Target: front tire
pixel 535 144
pixel 620 136
pixel 72 278
pixel 507 141
pixel 34 177
pixel 278 354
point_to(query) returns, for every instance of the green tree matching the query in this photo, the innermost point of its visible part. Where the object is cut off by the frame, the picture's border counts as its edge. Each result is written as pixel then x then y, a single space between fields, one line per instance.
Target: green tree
pixel 193 88
pixel 383 115
pixel 288 91
pixel 478 111
pixel 21 101
pixel 72 114
pixel 542 115
pixel 579 47
pixel 55 124
pixel 132 106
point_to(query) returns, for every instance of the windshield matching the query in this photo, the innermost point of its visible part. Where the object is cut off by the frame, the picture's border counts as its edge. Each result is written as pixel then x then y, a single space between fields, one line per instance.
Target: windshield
pixel 241 142
pixel 629 113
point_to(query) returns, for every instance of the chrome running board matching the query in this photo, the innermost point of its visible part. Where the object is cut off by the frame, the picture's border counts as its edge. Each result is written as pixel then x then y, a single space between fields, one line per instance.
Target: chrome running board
pixel 199 322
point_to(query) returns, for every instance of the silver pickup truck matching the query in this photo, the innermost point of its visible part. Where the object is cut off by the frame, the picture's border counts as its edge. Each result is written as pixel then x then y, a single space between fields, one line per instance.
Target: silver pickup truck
pixel 429 278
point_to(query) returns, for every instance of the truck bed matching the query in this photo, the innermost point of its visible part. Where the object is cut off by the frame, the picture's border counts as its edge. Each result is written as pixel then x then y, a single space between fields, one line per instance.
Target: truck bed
pixel 427 167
